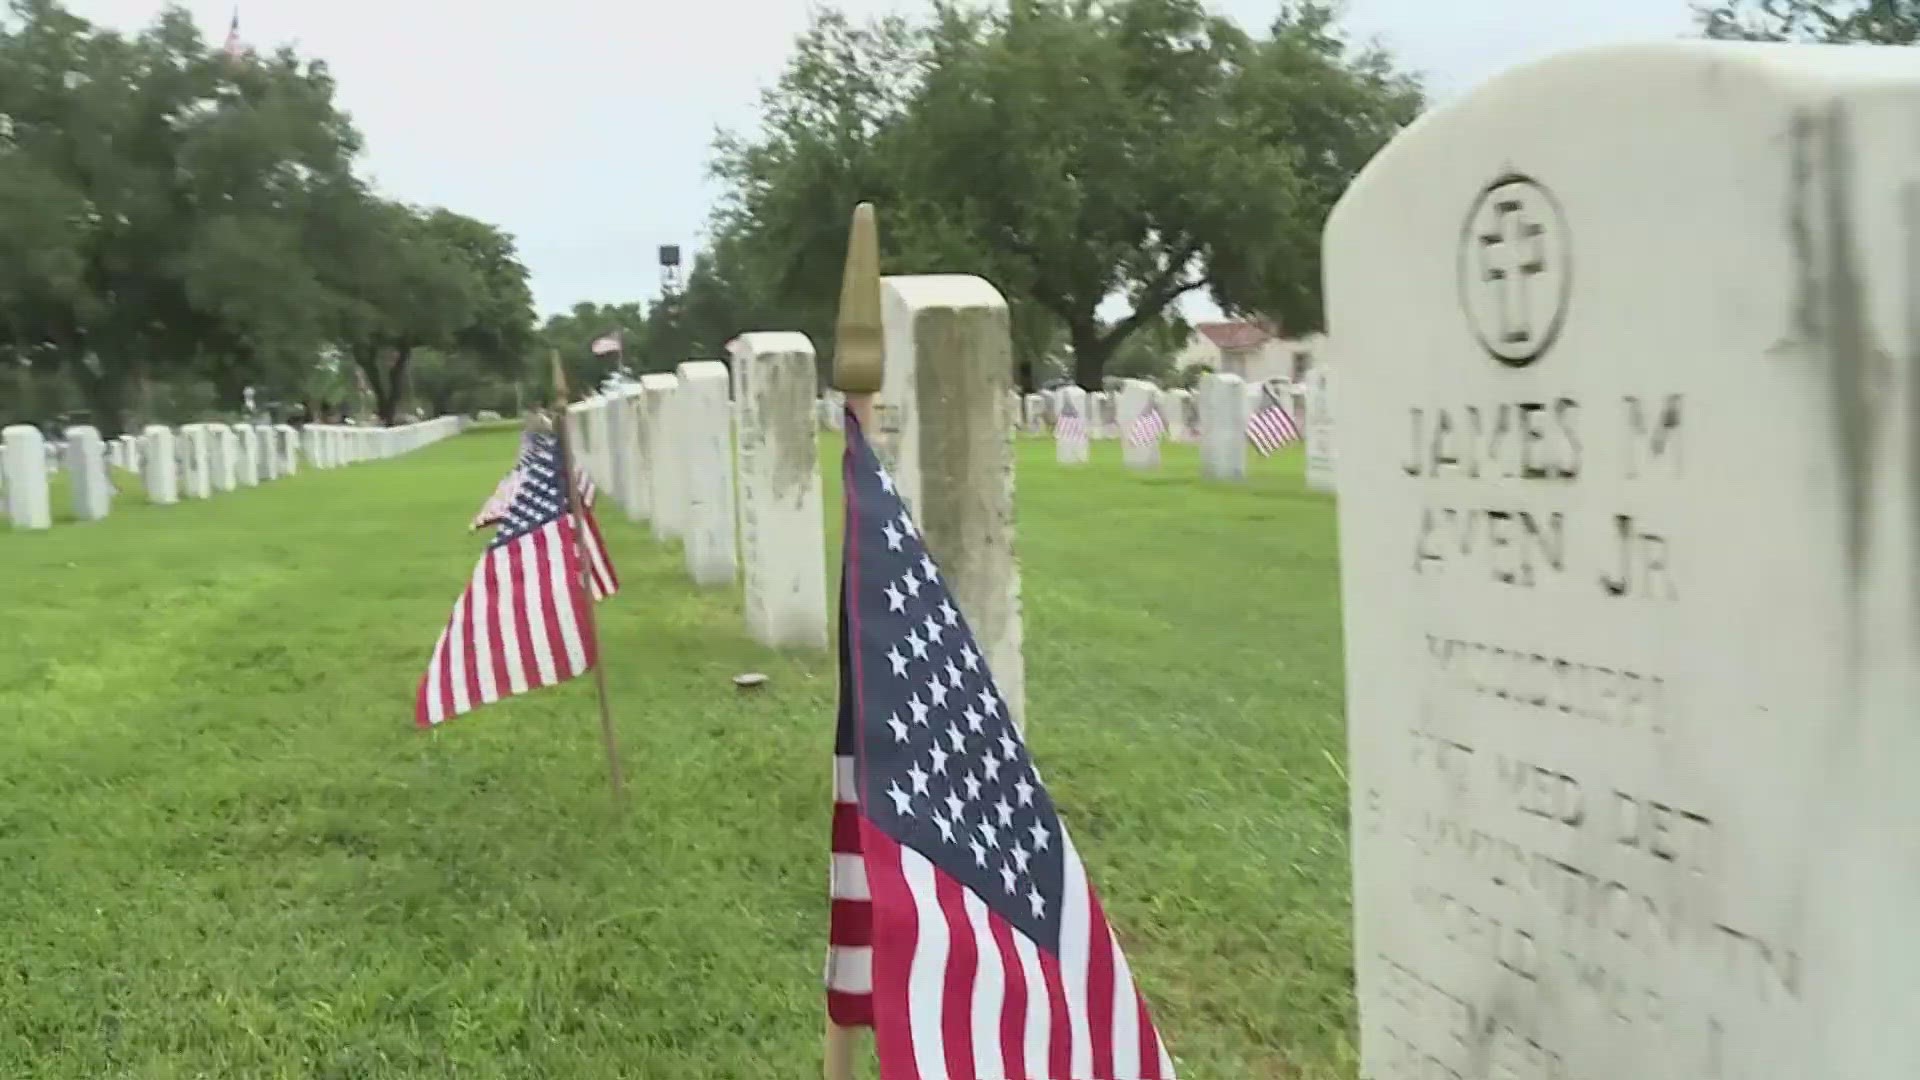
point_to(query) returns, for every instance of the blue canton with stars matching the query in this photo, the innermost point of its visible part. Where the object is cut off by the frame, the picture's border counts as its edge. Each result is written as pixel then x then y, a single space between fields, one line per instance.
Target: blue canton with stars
pixel 539 499
pixel 941 768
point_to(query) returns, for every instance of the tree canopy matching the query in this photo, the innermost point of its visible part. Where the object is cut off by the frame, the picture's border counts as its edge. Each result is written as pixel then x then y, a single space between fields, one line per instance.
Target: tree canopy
pixel 1875 22
pixel 182 225
pixel 1082 155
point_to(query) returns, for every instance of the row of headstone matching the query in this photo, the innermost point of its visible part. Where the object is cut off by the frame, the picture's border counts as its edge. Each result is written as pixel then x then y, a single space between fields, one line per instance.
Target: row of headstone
pixel 194 461
pixel 727 463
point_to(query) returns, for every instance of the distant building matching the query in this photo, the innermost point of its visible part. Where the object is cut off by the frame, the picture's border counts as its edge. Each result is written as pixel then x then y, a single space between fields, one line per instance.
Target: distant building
pixel 1255 351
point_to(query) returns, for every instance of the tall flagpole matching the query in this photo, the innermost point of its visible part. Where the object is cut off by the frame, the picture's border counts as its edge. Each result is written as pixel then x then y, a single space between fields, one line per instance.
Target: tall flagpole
pixel 569 485
pixel 859 368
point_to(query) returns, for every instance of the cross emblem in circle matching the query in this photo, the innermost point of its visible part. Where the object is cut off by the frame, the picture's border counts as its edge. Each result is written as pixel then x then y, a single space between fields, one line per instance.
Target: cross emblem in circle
pixel 1515 270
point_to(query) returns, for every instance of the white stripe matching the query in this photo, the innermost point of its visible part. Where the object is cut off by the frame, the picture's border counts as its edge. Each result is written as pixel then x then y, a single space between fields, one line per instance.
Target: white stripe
pixel 1075 955
pixel 1126 1015
pixel 505 605
pixel 532 572
pixel 602 573
pixel 1039 1004
pixel 436 708
pixel 927 978
pixel 989 990
pixel 486 637
pixel 457 654
pixel 563 595
pixel 850 969
pixel 844 786
pixel 1166 1060
pixel 850 878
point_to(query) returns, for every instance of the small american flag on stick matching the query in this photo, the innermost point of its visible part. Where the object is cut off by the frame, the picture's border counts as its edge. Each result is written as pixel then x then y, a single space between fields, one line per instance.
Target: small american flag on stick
pixel 1269 426
pixel 963 929
pixel 1147 427
pixel 523 622
pixel 494 510
pixel 1069 426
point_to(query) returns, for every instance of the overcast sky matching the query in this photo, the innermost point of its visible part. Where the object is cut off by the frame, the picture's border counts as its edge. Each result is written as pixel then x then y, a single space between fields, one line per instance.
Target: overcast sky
pixel 583 126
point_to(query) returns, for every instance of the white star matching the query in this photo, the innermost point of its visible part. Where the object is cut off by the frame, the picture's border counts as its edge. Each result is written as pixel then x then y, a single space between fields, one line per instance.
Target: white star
pixel 988 834
pixel 992 765
pixel 973 786
pixel 1001 808
pixel 1008 747
pixel 894 536
pixel 902 802
pixel 1008 877
pixel 912 583
pixel 946 828
pixel 907 524
pixel 918 645
pixel 1039 835
pixel 973 719
pixel 1039 903
pixel 1020 857
pixel 933 630
pixel 959 740
pixel 953 675
pixel 989 702
pixel 895 601
pixel 940 760
pixel 969 657
pixel 886 481
pixel 899 729
pixel 948 613
pixel 1024 791
pixel 919 710
pixel 898 661
pixel 938 689
pixel 979 853
pixel 955 807
pixel 927 569
pixel 919 778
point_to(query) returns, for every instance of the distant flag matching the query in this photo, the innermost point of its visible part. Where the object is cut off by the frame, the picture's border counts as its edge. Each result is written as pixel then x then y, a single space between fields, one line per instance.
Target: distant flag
pixel 606 343
pixel 523 621
pixel 1147 427
pixel 494 510
pixel 1069 427
pixel 1270 427
pixel 963 928
pixel 235 48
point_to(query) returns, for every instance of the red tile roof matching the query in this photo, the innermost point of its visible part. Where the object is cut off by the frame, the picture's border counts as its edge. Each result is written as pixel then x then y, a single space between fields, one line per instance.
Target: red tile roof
pixel 1236 335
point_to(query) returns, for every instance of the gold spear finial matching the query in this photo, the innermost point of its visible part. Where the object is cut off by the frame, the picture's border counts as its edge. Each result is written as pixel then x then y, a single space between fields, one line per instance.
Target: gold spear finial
pixel 858 354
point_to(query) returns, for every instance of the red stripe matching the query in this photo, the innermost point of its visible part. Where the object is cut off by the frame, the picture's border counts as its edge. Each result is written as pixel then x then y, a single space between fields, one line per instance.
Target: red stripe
pixel 522 627
pixel 445 689
pixel 850 1010
pixel 1099 986
pixel 1060 1032
pixel 610 579
pixel 850 923
pixel 549 608
pixel 894 936
pixel 582 603
pixel 1149 1042
pixel 496 635
pixel 420 694
pixel 1013 1008
pixel 963 966
pixel 470 648
pixel 846 829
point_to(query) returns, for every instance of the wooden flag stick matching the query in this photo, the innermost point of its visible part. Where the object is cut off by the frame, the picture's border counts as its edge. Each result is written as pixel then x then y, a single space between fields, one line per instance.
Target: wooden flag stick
pixel 568 485
pixel 859 369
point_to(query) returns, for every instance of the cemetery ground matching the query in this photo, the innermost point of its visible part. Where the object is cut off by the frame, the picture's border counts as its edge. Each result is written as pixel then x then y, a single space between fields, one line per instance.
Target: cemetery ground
pixel 226 851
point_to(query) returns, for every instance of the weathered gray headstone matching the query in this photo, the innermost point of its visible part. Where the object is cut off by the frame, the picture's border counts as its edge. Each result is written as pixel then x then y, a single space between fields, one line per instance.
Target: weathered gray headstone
pixel 287 440
pixel 226 457
pixel 265 453
pixel 157 459
pixel 246 455
pixel 626 458
pixel 665 506
pixel 1318 429
pixel 1629 403
pixel 945 435
pixel 1073 450
pixel 704 440
pixel 1223 427
pixel 1137 451
pixel 781 533
pixel 196 461
pixel 28 502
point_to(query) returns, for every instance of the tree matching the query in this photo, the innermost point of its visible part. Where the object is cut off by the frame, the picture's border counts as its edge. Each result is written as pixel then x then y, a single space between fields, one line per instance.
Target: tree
pixel 572 333
pixel 1070 151
pixel 1879 22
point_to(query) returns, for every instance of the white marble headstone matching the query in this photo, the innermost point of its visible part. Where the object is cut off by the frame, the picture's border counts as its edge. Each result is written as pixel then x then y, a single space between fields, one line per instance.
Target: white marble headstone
pixel 1630 548
pixel 89 486
pixel 782 536
pixel 704 455
pixel 23 455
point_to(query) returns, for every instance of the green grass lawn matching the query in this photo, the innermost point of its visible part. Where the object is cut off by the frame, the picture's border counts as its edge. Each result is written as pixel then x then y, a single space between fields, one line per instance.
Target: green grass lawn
pixel 226 852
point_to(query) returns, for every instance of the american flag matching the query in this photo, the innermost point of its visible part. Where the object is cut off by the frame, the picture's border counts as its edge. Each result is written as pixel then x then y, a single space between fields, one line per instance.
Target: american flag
pixel 234 47
pixel 605 343
pixel 1147 427
pixel 522 622
pixel 1069 426
pixel 963 929
pixel 495 508
pixel 1269 426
